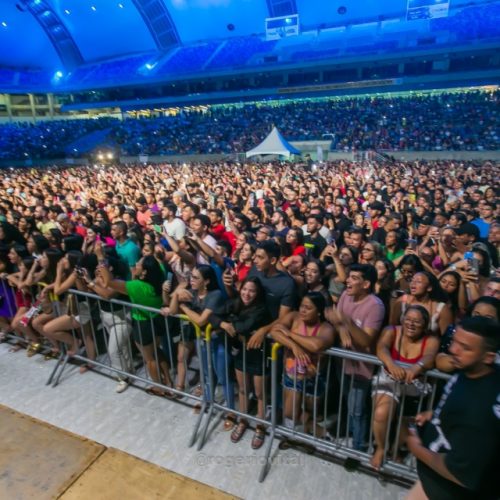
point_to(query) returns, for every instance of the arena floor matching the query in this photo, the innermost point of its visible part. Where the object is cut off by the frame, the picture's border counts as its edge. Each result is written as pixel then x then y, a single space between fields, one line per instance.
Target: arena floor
pixel 152 429
pixel 44 462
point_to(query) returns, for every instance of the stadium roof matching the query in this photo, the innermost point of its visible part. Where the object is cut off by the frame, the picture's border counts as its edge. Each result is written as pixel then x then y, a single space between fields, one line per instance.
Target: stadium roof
pixel 57 34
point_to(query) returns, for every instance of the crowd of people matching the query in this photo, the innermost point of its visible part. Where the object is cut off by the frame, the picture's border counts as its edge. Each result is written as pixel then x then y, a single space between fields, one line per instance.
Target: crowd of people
pixel 400 261
pixel 45 139
pixel 441 122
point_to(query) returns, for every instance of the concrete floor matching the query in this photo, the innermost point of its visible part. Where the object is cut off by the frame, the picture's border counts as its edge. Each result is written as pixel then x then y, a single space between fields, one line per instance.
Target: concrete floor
pixel 158 430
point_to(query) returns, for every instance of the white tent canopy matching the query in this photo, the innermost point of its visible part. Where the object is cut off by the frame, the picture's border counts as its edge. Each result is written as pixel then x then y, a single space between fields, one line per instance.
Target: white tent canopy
pixel 273 144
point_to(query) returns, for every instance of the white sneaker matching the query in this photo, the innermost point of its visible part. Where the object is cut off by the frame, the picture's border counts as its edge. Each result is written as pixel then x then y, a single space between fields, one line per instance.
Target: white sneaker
pixel 122 386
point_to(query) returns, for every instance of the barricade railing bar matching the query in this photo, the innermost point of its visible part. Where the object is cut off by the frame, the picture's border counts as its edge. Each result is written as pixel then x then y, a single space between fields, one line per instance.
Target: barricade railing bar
pixel 328 410
pixel 340 444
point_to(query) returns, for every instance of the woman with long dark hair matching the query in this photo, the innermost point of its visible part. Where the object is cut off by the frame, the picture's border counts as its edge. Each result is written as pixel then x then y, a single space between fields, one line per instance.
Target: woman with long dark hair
pixel 43 273
pixel 305 334
pixel 426 291
pixel 24 298
pixel 78 314
pixel 452 284
pixel 115 319
pixel 244 315
pixel 37 244
pixel 203 299
pixel 22 295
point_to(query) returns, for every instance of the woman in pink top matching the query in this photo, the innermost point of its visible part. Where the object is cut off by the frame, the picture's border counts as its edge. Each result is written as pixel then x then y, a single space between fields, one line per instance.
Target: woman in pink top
pixel 305 335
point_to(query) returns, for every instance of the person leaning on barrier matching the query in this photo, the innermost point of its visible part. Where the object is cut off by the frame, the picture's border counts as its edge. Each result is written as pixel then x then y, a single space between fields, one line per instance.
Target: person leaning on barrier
pixel 78 312
pixel 358 319
pixel 44 271
pixel 279 286
pixel 24 296
pixel 242 316
pixel 147 327
pixel 394 384
pixel 457 444
pixel 199 303
pixel 305 334
pixel 115 319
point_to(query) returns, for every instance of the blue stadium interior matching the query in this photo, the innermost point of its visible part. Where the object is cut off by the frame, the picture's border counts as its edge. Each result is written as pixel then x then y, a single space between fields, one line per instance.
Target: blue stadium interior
pixel 181 91
pixel 80 45
pixel 135 58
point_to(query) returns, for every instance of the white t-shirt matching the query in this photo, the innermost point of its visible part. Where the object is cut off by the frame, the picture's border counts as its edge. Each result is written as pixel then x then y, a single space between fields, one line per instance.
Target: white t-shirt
pixel 175 229
pixel 211 242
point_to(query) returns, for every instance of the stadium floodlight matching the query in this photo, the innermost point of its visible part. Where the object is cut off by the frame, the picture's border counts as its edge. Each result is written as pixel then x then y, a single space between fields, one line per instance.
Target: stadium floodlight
pixel 58 76
pixel 110 156
pixel 100 156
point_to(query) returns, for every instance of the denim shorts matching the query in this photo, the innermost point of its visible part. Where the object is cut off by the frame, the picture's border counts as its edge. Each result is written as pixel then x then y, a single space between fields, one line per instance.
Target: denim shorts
pixel 310 384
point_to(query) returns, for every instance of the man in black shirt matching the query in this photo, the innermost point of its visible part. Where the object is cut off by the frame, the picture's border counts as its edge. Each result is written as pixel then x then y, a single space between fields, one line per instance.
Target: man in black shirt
pixel 314 241
pixel 458 444
pixel 340 222
pixel 279 286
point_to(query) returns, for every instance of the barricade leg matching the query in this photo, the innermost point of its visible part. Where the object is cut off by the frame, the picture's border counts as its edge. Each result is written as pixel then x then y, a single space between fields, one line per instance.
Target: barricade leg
pixel 60 364
pixel 208 395
pixel 65 358
pixel 67 354
pixel 204 388
pixel 274 397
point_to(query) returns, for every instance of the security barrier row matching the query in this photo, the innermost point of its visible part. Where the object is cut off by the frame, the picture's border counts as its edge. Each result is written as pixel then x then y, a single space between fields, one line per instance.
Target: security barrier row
pixel 331 410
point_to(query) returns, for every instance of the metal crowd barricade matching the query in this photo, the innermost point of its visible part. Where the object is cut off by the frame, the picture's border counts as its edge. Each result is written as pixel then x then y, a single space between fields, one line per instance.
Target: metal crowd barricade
pixel 339 385
pixel 318 420
pixel 96 341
